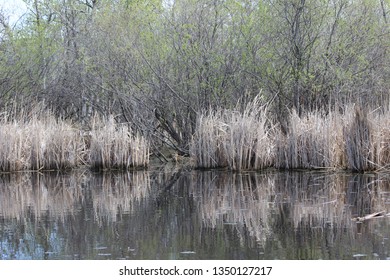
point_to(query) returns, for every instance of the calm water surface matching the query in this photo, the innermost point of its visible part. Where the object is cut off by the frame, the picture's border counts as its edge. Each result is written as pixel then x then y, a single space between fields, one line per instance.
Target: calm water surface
pixel 193 215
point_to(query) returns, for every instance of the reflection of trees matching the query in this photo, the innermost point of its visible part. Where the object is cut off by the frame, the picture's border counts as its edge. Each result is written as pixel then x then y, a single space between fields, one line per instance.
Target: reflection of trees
pixel 148 215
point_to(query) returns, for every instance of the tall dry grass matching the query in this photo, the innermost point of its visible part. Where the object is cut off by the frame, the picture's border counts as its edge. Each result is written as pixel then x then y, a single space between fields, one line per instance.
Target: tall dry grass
pixel 380 141
pixel 358 134
pixel 357 140
pixel 38 140
pixel 38 143
pixel 115 146
pixel 233 139
pixel 313 141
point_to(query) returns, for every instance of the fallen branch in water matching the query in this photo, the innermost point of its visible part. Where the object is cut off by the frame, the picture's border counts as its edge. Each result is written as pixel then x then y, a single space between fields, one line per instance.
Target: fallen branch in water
pixel 380 214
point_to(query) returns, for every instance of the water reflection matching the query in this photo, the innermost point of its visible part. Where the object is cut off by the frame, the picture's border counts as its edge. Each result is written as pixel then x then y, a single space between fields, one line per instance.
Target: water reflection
pixel 193 215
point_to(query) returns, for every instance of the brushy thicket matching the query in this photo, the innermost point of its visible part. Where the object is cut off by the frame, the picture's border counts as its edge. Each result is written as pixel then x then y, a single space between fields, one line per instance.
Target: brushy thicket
pixel 42 142
pixel 354 140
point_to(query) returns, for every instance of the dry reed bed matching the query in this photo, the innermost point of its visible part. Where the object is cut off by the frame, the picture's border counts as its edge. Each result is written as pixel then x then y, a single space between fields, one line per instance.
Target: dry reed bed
pixel 115 146
pixel 48 143
pixel 239 141
pixel 354 140
pixel 313 141
pixel 38 144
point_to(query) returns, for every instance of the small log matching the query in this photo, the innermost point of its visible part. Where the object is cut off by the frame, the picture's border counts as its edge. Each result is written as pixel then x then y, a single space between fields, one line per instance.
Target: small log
pixel 371 216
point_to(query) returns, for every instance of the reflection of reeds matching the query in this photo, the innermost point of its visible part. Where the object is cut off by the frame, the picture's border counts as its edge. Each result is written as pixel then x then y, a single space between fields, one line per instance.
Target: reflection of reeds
pixel 264 202
pixel 317 200
pixel 331 200
pixel 22 194
pixel 115 194
pixel 261 210
pixel 238 200
pixel 223 198
pixel 59 196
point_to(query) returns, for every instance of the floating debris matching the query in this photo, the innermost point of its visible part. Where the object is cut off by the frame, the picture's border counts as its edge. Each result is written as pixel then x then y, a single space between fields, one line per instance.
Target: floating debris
pixel 188 252
pixel 100 248
pixel 359 255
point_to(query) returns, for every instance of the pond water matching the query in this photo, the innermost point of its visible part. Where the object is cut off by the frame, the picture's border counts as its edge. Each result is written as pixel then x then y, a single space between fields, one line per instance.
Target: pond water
pixel 193 215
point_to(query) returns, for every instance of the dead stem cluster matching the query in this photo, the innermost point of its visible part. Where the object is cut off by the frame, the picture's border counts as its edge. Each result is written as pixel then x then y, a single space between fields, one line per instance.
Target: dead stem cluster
pixel 354 140
pixel 313 141
pixel 115 146
pixel 247 139
pixel 41 143
pixel 47 143
pixel 239 141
